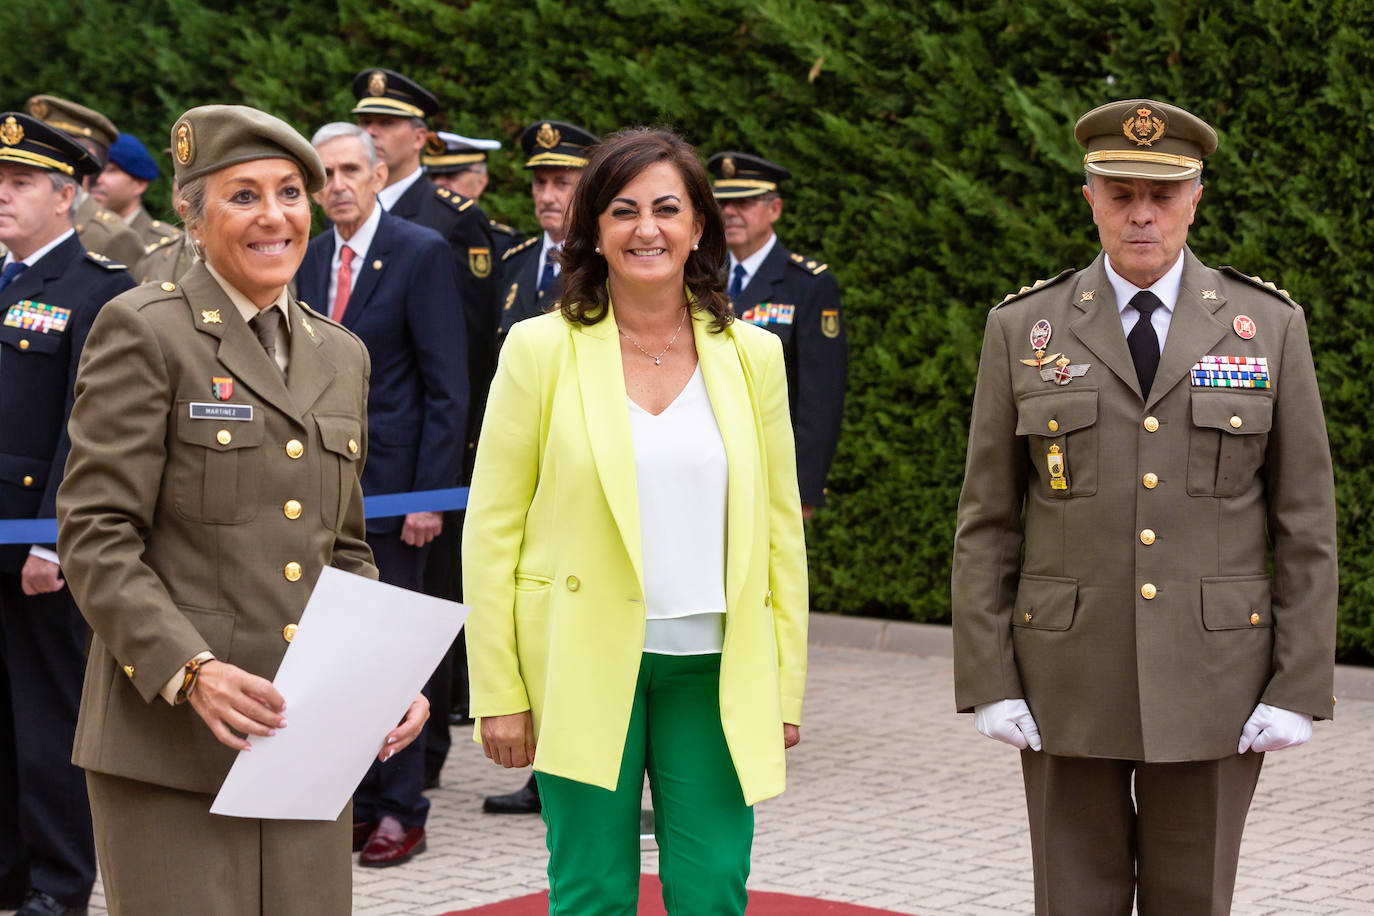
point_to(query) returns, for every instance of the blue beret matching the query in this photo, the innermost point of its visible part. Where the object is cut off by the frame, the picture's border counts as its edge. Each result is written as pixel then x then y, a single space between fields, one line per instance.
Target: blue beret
pixel 129 153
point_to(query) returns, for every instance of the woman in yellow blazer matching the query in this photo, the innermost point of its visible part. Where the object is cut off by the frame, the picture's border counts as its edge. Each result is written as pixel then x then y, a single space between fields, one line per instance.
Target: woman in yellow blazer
pixel 633 547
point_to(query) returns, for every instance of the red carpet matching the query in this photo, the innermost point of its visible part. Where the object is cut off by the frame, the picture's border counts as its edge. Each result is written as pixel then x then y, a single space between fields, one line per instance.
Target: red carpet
pixel 651 904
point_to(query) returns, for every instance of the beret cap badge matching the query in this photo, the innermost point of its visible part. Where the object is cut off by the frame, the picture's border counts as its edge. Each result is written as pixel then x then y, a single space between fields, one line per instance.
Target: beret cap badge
pixel 1144 127
pixel 10 132
pixel 548 136
pixel 376 83
pixel 185 144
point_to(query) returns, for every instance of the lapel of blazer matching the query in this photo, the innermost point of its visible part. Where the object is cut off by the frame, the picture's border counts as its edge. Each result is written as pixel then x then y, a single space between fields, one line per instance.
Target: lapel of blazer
pixel 527 297
pixel 731 393
pixel 366 274
pixel 312 279
pixel 1193 329
pixel 239 349
pixel 760 287
pixel 1099 324
pixel 601 380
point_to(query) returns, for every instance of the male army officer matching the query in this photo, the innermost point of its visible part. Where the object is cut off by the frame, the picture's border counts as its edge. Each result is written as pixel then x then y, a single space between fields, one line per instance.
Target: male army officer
pixel 128 171
pixel 794 297
pixel 50 291
pixel 555 155
pixel 99 229
pixel 1158 423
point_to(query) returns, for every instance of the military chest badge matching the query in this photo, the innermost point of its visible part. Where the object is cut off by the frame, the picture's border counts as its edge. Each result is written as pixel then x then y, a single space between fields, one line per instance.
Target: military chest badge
pixel 221 387
pixel 1144 126
pixel 479 261
pixel 28 315
pixel 1231 372
pixel 767 313
pixel 1065 371
pixel 10 132
pixel 1055 463
pixel 1040 340
pixel 1244 326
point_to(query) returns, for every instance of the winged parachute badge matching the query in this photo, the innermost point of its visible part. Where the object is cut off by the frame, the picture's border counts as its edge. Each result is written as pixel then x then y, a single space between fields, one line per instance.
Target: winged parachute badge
pixel 1064 371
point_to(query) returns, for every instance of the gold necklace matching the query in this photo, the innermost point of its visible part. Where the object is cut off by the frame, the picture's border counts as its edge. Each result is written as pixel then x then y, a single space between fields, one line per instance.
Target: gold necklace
pixel 658 360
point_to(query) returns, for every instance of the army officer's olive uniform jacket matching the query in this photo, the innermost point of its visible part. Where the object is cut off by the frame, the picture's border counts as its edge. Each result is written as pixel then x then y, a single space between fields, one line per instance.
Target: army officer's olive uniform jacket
pixel 182 530
pixel 1137 615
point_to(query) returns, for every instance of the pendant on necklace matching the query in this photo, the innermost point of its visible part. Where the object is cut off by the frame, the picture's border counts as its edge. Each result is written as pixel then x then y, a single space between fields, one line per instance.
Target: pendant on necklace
pixel 658 361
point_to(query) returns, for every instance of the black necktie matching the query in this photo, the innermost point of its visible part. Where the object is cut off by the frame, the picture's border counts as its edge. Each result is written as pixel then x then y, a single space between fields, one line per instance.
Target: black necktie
pixel 1143 341
pixel 12 270
pixel 736 283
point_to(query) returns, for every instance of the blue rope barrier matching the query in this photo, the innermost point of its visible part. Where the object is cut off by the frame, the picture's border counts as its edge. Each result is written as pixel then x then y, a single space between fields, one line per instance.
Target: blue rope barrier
pixel 44 530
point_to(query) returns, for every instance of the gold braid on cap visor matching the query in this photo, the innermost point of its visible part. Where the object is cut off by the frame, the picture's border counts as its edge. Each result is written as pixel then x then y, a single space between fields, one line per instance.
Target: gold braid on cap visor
pixel 559 159
pixel 38 160
pixel 1140 155
pixel 366 106
pixel 742 187
pixel 455 159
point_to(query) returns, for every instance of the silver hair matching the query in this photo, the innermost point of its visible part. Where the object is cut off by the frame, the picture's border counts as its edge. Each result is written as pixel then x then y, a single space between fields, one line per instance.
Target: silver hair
pixel 60 181
pixel 190 206
pixel 336 129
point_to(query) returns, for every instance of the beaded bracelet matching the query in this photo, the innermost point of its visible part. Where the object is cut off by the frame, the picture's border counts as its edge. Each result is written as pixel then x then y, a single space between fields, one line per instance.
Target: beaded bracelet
pixel 188 683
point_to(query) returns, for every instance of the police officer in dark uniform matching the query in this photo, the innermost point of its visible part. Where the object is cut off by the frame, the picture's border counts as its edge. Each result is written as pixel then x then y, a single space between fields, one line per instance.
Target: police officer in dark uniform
pixel 50 291
pixel 555 154
pixel 460 164
pixel 100 229
pixel 793 296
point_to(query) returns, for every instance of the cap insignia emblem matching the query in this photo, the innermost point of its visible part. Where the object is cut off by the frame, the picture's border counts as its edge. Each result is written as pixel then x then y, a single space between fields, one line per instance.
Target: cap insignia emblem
pixel 10 132
pixel 1144 127
pixel 184 144
pixel 548 136
pixel 376 83
pixel 727 166
pixel 434 146
pixel 39 109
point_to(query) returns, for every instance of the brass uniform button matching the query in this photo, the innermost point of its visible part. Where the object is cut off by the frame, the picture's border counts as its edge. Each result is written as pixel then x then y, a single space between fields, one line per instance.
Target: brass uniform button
pixel 294 449
pixel 573 583
pixel 1147 536
pixel 1235 422
pixel 129 672
pixel 1028 616
pixel 1054 426
pixel 353 446
pixel 1148 591
pixel 768 598
pixel 1254 619
pixel 288 632
pixel 168 286
pixel 223 437
pixel 24 344
pixel 1150 480
pixel 28 481
pixel 292 509
pixel 292 571
pixel 1151 425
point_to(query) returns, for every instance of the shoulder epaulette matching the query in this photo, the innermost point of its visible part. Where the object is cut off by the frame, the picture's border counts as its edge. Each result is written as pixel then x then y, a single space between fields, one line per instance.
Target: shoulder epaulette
pixel 1261 284
pixel 108 216
pixel 105 262
pixel 516 249
pixel 814 268
pixel 161 243
pixel 1038 284
pixel 503 228
pixel 456 201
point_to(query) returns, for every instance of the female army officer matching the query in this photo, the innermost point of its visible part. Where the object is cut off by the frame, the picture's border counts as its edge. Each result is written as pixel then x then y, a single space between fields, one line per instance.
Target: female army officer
pixel 217 436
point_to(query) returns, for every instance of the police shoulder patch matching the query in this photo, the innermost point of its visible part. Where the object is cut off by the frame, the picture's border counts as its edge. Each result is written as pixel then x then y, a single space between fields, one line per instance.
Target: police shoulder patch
pixel 1256 282
pixel 516 249
pixel 105 262
pixel 1037 285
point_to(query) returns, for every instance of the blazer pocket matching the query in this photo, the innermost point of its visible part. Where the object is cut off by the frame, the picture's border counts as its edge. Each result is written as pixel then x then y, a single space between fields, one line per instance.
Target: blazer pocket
pixel 216 468
pixel 1045 602
pixel 1061 433
pixel 31 341
pixel 1237 603
pixel 341 437
pixel 215 627
pixel 1227 440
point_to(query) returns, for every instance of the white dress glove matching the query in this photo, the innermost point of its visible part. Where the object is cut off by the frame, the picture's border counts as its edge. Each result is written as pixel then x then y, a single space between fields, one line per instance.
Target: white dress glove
pixel 1271 729
pixel 1009 721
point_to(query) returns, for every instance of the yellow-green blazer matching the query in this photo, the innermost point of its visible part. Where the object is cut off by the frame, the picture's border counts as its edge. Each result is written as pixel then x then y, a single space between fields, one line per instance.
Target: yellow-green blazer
pixel 551 549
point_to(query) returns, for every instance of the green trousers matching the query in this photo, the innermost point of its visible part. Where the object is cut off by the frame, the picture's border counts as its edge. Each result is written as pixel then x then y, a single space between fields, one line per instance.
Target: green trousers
pixel 703 827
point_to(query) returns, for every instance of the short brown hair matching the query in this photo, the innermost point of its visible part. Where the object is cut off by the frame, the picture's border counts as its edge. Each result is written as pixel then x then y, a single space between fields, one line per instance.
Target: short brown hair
pixel 615 162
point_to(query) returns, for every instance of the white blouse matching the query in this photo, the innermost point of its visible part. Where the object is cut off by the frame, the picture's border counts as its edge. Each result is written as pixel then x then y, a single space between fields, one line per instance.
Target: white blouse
pixel 682 475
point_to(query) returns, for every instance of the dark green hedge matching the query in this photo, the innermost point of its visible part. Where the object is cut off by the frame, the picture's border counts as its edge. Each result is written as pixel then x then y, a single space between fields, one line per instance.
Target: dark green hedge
pixel 935 167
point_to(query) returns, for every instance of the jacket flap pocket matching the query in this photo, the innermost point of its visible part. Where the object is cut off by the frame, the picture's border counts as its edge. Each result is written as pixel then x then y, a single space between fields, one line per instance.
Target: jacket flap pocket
pixel 24 472
pixel 1054 413
pixel 341 435
pixel 1236 602
pixel 215 627
pixel 217 435
pixel 31 340
pixel 1045 602
pixel 1232 412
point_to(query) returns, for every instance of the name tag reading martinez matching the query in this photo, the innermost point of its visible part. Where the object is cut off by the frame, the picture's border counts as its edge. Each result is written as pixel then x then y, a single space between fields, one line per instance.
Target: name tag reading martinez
pixel 200 411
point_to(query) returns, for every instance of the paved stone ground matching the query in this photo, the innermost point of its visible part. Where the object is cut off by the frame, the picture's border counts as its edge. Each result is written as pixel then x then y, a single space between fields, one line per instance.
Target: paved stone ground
pixel 895 802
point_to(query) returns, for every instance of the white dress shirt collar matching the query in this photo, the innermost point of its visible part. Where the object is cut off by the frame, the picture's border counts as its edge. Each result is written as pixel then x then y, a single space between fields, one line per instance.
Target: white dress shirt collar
pixel 37 255
pixel 388 195
pixel 362 238
pixel 753 262
pixel 1165 288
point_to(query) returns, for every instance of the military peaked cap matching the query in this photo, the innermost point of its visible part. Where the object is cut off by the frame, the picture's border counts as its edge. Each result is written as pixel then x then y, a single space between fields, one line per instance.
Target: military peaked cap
pixel 386 92
pixel 1142 138
pixel 739 174
pixel 556 144
pixel 26 140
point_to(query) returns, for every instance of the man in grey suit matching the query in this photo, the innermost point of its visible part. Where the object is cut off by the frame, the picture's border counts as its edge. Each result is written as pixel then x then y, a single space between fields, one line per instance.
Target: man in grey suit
pixel 1144 577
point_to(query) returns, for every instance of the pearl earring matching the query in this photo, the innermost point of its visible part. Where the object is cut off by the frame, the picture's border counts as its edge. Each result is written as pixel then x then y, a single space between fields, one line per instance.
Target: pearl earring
pixel 598 251
pixel 696 247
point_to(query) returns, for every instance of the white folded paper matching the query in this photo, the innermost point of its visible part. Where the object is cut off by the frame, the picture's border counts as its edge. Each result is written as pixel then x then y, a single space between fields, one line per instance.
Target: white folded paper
pixel 361 653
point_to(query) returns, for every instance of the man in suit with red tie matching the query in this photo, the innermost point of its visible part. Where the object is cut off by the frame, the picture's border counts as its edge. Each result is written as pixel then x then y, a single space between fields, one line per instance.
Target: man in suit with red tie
pixel 393 284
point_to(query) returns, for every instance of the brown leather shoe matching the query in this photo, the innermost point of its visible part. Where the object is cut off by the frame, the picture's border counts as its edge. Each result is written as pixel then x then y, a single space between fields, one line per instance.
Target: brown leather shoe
pixel 361 831
pixel 391 844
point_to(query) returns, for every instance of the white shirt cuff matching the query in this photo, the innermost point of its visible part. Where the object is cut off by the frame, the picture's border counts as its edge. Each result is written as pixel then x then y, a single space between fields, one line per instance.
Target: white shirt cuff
pixel 44 553
pixel 172 687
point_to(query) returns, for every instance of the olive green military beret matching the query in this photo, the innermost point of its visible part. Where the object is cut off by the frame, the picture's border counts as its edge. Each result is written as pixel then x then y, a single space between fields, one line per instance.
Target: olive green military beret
pixel 1144 139
pixel 213 137
pixel 77 120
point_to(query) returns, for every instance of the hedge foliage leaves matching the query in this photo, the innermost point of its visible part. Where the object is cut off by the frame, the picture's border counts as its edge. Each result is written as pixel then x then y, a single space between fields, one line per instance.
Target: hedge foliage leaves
pixel 936 170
